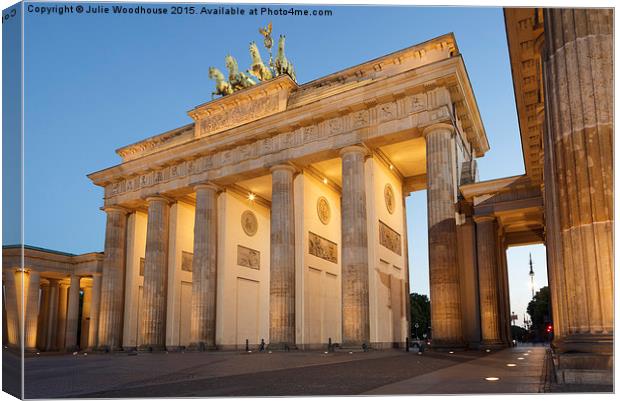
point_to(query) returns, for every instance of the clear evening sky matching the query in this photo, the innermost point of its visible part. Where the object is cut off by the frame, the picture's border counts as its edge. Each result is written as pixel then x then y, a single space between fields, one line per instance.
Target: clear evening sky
pixel 94 83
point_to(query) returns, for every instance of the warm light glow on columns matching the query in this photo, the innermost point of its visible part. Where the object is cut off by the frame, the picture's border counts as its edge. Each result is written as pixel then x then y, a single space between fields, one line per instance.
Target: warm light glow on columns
pixel 578 65
pixel 93 325
pixel 43 314
pixel 204 268
pixel 443 268
pixel 488 280
pixel 72 314
pixel 12 313
pixel 155 274
pixel 87 302
pixel 282 258
pixel 61 324
pixel 52 316
pixel 32 311
pixel 355 308
pixel 112 280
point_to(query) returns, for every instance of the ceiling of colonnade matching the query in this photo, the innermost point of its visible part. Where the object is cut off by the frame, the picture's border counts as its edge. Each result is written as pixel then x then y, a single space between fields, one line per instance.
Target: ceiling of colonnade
pixel 408 157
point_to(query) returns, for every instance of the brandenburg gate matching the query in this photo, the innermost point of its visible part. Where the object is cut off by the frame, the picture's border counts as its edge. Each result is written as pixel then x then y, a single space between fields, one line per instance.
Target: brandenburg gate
pixel 278 214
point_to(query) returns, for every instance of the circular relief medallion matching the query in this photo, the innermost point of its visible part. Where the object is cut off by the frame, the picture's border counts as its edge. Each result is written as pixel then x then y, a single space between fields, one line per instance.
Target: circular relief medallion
pixel 322 209
pixel 249 223
pixel 388 192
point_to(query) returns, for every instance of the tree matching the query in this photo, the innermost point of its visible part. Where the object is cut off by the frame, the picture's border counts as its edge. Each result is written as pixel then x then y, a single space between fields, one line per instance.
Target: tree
pixel 420 314
pixel 540 312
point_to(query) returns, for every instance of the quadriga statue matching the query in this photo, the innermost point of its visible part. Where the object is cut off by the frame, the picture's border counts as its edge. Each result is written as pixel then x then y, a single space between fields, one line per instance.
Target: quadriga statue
pixel 238 80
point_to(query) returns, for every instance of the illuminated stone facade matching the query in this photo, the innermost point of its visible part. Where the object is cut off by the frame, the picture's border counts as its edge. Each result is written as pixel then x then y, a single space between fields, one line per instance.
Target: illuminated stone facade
pixel 278 214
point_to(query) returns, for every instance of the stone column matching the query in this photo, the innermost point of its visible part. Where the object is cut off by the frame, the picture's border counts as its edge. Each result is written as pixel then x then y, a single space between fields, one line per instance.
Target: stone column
pixel 204 269
pixel 446 317
pixel 155 275
pixel 282 259
pixel 43 314
pixel 93 327
pixel 61 324
pixel 72 314
pixel 32 311
pixel 113 280
pixel 12 313
pixel 579 107
pixel 84 322
pixel 52 316
pixel 507 313
pixel 486 233
pixel 355 301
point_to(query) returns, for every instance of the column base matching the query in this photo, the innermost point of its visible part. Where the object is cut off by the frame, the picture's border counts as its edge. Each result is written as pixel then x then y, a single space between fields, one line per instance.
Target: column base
pixel 201 347
pixel 494 345
pixel 583 359
pixel 447 345
pixel 356 346
pixel 106 349
pixel 282 347
pixel 151 348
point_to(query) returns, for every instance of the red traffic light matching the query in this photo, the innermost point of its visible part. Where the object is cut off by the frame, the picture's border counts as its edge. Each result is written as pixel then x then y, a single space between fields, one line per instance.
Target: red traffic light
pixel 549 328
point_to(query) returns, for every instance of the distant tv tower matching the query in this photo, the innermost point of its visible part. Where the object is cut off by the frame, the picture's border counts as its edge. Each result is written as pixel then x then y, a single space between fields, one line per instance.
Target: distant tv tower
pixel 532 275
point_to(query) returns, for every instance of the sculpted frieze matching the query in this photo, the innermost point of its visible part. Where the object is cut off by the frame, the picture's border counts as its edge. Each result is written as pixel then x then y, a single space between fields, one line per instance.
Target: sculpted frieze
pixel 414 105
pixel 389 238
pixel 248 257
pixel 238 114
pixel 322 248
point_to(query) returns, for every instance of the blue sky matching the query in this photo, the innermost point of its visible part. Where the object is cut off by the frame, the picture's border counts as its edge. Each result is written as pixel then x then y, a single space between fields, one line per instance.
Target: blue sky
pixel 94 83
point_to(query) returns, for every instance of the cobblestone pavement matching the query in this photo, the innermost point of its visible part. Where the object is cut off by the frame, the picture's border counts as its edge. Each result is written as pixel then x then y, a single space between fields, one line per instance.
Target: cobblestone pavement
pixel 263 374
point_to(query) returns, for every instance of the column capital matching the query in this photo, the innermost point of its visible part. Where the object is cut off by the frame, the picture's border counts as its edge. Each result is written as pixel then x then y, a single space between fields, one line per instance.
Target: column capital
pixel 438 127
pixel 115 208
pixel 354 149
pixel 160 198
pixel 484 218
pixel 288 167
pixel 207 185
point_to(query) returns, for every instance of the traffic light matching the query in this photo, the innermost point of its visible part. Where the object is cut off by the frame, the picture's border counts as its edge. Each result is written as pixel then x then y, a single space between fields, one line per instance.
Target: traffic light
pixel 549 328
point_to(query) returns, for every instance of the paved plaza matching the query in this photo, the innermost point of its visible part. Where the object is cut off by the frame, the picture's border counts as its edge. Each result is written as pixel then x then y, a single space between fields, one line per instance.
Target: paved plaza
pixel 282 374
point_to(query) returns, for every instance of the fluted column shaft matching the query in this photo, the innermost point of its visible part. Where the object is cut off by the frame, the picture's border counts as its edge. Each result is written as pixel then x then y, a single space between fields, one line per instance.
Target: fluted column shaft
pixel 355 301
pixel 282 258
pixel 204 270
pixel 52 316
pixel 155 274
pixel 93 327
pixel 113 280
pixel 444 272
pixel 32 311
pixel 61 315
pixel 84 322
pixel 12 313
pixel 43 316
pixel 578 66
pixel 488 280
pixel 72 314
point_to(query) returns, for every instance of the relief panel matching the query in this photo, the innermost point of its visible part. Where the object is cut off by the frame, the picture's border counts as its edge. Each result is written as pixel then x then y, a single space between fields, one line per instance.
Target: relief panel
pixel 248 257
pixel 322 248
pixel 389 238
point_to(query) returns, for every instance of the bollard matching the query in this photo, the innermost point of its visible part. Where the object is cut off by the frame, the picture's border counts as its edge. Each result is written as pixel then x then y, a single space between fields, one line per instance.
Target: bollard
pixel 329 345
pixel 247 345
pixel 406 344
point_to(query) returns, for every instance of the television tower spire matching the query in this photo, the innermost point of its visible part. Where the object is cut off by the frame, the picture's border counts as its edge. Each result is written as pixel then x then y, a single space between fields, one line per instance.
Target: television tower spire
pixel 532 275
